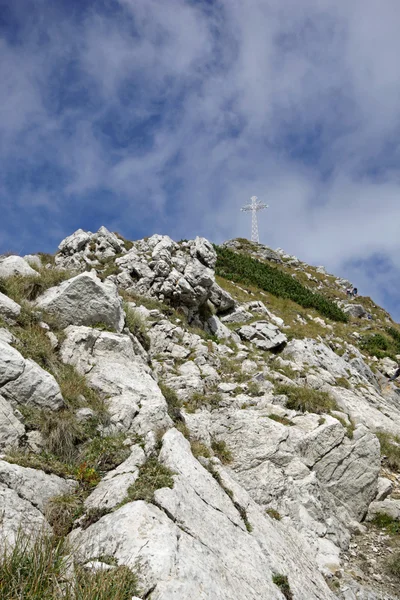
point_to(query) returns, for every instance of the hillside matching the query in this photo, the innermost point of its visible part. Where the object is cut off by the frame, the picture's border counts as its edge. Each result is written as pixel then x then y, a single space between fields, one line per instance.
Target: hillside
pixel 193 421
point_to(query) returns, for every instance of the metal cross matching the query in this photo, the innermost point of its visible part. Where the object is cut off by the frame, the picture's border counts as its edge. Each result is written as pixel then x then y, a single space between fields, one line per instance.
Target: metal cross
pixel 254 207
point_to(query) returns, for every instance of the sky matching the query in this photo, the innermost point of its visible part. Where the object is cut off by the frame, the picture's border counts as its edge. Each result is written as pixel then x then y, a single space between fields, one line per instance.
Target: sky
pixel 166 116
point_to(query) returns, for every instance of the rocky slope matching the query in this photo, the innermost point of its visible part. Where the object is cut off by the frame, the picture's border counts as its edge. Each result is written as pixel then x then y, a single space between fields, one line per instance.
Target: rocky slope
pixel 221 429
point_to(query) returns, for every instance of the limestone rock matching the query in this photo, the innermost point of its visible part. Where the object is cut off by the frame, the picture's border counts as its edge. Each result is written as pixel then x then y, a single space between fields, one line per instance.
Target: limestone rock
pixel 203 250
pixel 9 310
pixel 16 512
pixel 355 310
pixel 33 386
pixel 112 367
pixel 114 486
pixel 389 507
pixel 11 428
pixel 33 485
pixel 385 487
pixel 263 335
pixel 84 300
pixel 177 542
pixel 221 331
pixel 15 265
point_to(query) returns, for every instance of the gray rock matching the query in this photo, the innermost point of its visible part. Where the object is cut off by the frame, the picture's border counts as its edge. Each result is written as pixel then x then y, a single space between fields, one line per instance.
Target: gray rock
pixel 9 310
pixel 389 507
pixel 84 300
pixel 16 512
pixel 355 310
pixel 112 367
pixel 113 488
pixel 33 485
pixel 11 428
pixel 221 331
pixel 203 250
pixel 34 386
pixel 385 487
pixel 33 260
pixel 176 539
pixel 263 335
pixel 15 265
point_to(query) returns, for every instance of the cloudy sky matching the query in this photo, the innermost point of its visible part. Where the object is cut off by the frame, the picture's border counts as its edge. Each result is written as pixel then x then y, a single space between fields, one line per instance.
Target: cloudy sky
pixel 167 115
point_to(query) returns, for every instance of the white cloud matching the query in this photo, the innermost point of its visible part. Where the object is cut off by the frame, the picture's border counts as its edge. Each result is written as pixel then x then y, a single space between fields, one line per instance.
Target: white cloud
pixel 224 100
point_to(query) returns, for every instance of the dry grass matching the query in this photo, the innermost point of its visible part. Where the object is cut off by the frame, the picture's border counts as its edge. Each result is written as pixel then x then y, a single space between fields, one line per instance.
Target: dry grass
pixel 306 399
pixel 41 570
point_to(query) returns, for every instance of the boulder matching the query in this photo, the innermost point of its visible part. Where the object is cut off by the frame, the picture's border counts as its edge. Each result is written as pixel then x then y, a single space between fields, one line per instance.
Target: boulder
pixel 84 300
pixel 389 507
pixel 9 310
pixel 263 335
pixel 221 331
pixel 33 386
pixel 203 250
pixel 33 260
pixel 15 265
pixel 355 310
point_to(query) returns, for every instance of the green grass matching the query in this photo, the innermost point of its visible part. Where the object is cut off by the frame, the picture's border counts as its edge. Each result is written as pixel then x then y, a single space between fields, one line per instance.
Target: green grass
pixel 221 450
pixel 279 419
pixel 393 565
pixel 198 399
pixel 21 288
pixel 173 402
pixel 390 447
pixel 137 326
pixel 281 581
pixel 41 570
pixel 306 399
pixel 379 345
pixel 152 476
pixel 383 521
pixel 244 269
pixel 274 514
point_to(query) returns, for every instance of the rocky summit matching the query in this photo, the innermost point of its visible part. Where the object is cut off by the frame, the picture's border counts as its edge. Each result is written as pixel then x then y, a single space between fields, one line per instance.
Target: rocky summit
pixel 181 421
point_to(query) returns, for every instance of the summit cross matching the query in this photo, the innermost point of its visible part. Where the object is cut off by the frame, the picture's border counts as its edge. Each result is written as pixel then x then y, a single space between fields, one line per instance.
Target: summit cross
pixel 254 207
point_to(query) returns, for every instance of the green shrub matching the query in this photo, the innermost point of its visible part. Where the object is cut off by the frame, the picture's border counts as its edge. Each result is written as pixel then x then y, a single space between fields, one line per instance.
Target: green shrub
pixel 279 419
pixel 283 584
pixel 383 521
pixel 136 325
pixel 62 511
pixel 199 449
pixel 244 269
pixel 41 570
pixel 105 453
pixel 173 402
pixel 29 287
pixel 393 565
pixel 221 450
pixel 274 514
pixel 306 399
pixel 152 476
pixel 390 447
pixel 376 344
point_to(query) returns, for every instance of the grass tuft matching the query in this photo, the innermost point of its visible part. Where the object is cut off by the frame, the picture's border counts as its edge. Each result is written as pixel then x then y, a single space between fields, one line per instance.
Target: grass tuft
pixel 390 447
pixel 306 399
pixel 41 569
pixel 221 450
pixel 152 476
pixel 282 582
pixel 137 326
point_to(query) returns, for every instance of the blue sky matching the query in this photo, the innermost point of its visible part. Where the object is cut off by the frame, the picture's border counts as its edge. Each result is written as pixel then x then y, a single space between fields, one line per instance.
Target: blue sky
pixel 167 115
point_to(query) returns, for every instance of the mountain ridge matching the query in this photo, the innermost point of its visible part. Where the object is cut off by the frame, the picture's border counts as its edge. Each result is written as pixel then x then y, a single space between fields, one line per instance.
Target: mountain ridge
pixel 168 390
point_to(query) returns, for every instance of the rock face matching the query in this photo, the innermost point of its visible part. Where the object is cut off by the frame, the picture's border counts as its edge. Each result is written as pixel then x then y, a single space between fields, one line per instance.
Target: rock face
pixel 87 248
pixel 84 300
pixel 177 542
pixel 114 369
pixel 15 265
